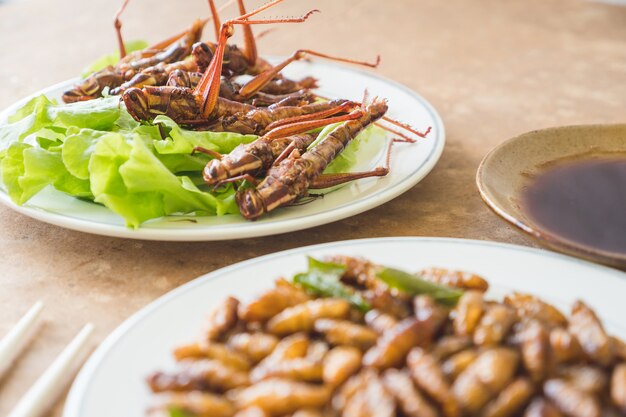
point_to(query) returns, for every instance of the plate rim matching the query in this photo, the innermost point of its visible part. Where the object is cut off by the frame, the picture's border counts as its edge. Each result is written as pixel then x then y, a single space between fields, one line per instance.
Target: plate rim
pixel 542 235
pixel 227 232
pixel 74 403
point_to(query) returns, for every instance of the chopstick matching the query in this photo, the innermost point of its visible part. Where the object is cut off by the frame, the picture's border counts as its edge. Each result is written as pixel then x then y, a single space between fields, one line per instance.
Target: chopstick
pixel 41 396
pixel 12 345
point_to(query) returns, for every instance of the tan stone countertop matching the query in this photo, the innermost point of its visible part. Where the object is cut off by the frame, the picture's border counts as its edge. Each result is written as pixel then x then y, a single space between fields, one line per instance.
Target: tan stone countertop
pixel 493 69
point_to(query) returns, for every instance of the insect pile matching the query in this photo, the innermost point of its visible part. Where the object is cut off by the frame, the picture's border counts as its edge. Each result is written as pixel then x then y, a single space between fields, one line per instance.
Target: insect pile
pixel 351 338
pixel 196 84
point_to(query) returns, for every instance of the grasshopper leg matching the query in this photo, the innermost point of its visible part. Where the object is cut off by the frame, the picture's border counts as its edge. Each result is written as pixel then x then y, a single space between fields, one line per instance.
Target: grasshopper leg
pixel 331 180
pixel 206 151
pixel 209 86
pixel 118 28
pixel 242 177
pixel 258 82
pixel 301 127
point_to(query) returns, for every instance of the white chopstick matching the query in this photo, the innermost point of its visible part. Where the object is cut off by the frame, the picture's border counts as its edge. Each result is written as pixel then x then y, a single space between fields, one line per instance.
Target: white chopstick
pixel 41 396
pixel 18 337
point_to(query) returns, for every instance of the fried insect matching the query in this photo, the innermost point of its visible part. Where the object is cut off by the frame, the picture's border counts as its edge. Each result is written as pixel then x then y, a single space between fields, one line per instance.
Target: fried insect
pixel 542 408
pixel 619 347
pixel 277 396
pixel 254 158
pixel 511 400
pixel 294 346
pixel 222 319
pixel 168 51
pixel 380 322
pixel 389 302
pixel 343 332
pixel 251 412
pixel 618 387
pixel 494 325
pixel 586 326
pixel 535 349
pixel 272 302
pixel 531 307
pixel 427 374
pixel 449 345
pixel 564 346
pixel 301 317
pixel 308 412
pixel 570 400
pixel 301 369
pixel 484 378
pixel 587 378
pixel 215 351
pixel 393 346
pixel 294 176
pixel 199 404
pixel 292 359
pixel 457 363
pixel 353 385
pixel 341 363
pixel 255 346
pixel 371 400
pixel 430 315
pixel 480 358
pixel 455 279
pixel 358 271
pixel 469 311
pixel 410 401
pixel 200 375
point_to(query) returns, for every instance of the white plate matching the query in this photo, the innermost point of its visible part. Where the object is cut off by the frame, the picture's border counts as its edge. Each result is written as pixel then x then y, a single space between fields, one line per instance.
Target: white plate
pixel 410 163
pixel 112 382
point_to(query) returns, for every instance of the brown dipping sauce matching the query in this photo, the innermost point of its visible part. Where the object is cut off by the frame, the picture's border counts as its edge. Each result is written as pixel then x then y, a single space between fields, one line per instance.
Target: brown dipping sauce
pixel 583 201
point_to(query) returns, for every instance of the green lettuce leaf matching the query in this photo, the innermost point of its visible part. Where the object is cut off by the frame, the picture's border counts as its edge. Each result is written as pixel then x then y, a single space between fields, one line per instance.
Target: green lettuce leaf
pixel 98 114
pixel 12 168
pixel 41 113
pixel 107 185
pixel 181 141
pixel 30 118
pixel 26 170
pixel 175 151
pixel 78 149
pixel 365 146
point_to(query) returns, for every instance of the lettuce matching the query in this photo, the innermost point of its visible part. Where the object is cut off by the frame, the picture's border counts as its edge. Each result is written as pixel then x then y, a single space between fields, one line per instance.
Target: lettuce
pixel 95 150
pixel 26 170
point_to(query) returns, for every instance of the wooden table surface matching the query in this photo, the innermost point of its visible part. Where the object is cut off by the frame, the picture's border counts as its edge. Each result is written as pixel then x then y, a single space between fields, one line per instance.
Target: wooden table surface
pixel 493 69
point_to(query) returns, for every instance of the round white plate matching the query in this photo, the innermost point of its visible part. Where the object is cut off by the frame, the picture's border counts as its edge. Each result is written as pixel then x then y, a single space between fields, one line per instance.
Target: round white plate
pixel 409 164
pixel 112 381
